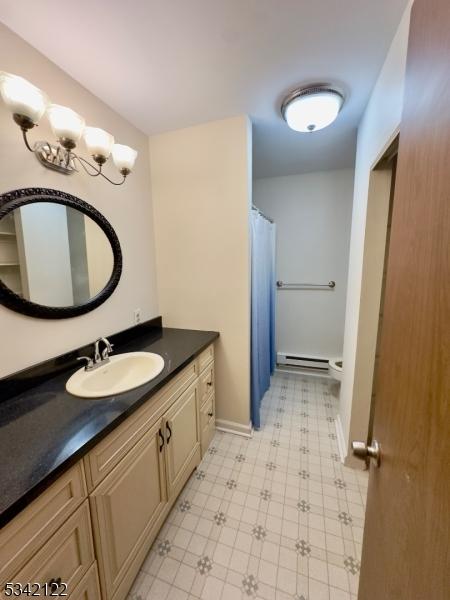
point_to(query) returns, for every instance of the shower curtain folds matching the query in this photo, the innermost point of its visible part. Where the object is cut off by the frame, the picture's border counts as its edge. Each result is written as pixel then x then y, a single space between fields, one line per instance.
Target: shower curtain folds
pixel 263 353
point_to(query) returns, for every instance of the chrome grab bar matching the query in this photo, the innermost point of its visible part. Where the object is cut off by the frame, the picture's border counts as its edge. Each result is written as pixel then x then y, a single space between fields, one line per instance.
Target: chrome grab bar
pixel 281 285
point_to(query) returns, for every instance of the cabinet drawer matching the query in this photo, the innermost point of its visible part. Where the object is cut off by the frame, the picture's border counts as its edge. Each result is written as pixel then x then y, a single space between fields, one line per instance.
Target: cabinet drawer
pixel 207 423
pixel 206 357
pixel 206 383
pixel 110 451
pixel 67 555
pixel 24 536
pixel 89 587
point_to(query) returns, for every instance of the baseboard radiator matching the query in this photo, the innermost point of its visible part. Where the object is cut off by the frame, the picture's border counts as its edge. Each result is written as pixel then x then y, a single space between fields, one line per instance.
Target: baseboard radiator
pixel 308 363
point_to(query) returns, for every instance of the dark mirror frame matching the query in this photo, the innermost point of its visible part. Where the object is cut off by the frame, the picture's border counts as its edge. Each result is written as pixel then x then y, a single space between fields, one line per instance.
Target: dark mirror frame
pixel 18 198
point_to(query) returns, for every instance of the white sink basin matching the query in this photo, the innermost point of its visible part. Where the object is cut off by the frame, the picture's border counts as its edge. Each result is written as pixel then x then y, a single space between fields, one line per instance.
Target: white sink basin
pixel 122 373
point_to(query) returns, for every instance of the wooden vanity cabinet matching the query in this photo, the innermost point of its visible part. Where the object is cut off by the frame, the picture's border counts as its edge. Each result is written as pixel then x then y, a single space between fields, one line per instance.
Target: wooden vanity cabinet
pixel 130 504
pixel 139 486
pixel 126 508
pixel 95 525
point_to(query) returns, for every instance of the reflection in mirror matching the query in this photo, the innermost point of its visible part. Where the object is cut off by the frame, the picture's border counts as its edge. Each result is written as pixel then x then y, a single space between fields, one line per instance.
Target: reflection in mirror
pixel 54 255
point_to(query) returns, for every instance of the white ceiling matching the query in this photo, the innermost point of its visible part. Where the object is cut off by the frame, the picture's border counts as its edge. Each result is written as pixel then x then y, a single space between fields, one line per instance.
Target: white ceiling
pixel 168 64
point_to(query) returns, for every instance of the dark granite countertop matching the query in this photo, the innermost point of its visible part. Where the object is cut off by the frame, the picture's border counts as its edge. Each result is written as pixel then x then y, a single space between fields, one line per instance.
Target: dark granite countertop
pixel 44 430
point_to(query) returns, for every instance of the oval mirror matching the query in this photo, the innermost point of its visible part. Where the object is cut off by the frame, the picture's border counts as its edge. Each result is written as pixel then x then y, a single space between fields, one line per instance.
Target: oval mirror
pixel 59 257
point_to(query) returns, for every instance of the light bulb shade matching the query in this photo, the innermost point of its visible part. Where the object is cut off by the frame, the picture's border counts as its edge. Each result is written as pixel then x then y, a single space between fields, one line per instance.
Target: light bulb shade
pixel 98 141
pixel 66 124
pixel 312 109
pixel 124 157
pixel 22 97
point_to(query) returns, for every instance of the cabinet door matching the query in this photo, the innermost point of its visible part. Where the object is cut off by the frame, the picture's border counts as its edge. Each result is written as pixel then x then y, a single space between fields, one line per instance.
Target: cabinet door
pixel 126 507
pixel 88 588
pixel 182 438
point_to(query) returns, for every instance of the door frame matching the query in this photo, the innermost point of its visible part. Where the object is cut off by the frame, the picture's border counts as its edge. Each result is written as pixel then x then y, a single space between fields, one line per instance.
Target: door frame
pixel 376 223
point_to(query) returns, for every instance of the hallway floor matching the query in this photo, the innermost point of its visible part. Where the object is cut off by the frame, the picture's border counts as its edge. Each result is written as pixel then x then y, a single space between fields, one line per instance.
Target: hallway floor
pixel 275 517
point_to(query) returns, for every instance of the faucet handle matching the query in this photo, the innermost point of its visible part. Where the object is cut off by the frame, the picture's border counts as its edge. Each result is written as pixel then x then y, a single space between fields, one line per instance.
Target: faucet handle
pixel 107 351
pixel 89 362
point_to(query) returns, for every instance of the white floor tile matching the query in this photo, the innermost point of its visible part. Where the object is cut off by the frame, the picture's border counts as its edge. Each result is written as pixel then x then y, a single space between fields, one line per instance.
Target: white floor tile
pixel 274 517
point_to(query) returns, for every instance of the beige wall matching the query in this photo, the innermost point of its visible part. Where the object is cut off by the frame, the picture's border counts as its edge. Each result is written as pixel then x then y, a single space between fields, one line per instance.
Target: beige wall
pixel 23 340
pixel 201 196
pixel 378 127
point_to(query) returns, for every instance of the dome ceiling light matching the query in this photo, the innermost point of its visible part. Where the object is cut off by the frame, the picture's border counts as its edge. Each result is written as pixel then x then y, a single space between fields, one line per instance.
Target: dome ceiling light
pixel 311 108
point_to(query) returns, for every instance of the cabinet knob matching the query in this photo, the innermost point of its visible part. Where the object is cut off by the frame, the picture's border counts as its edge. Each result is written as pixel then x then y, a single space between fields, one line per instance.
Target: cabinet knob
pixel 210 414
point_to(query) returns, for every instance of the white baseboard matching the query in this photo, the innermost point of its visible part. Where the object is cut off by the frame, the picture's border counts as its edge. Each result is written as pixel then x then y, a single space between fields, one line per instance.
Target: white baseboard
pixel 236 428
pixel 340 438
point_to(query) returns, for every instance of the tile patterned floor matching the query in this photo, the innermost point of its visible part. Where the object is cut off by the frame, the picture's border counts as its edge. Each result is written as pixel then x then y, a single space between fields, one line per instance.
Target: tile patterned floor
pixel 275 517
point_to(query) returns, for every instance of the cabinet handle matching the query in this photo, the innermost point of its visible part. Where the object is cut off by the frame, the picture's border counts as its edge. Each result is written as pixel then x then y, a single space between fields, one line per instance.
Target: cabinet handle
pixel 170 433
pixel 209 383
pixel 54 584
pixel 210 414
pixel 161 437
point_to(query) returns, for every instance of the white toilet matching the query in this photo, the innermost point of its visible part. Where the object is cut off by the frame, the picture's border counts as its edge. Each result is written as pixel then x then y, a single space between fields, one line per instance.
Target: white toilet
pixel 335 368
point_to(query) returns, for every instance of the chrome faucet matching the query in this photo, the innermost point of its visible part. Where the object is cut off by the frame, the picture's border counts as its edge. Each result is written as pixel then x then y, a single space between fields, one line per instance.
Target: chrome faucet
pixel 99 359
pixel 106 351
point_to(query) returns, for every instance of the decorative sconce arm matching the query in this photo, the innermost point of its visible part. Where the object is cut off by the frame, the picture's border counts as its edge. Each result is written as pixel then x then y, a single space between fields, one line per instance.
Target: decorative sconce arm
pixel 25 139
pixel 97 171
pixel 62 160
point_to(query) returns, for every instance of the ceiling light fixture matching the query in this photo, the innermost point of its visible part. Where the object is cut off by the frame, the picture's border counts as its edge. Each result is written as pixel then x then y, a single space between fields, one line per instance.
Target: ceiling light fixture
pixel 28 105
pixel 311 108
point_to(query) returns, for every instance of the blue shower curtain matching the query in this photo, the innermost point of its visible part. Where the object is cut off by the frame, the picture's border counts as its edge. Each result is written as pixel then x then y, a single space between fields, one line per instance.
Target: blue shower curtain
pixel 263 351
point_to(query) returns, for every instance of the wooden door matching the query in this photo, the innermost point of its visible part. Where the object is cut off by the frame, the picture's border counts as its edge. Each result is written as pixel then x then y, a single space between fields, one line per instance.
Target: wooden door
pixel 125 510
pixel 182 438
pixel 406 539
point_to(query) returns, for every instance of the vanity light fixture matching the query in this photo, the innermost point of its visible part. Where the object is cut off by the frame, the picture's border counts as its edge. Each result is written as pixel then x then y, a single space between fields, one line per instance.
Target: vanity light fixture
pixel 28 105
pixel 311 108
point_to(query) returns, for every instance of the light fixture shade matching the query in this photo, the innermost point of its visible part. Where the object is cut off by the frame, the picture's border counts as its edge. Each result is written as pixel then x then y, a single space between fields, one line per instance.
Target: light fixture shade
pixel 98 141
pixel 312 109
pixel 124 157
pixel 22 97
pixel 65 123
